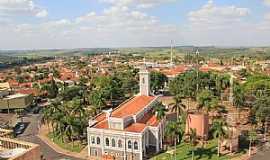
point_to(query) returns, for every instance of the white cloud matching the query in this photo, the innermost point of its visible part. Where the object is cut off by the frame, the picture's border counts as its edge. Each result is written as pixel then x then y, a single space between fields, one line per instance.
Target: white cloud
pixel 217 16
pixel 115 26
pixel 224 25
pixel 137 3
pixel 123 24
pixel 21 8
pixel 267 16
pixel 42 13
pixel 266 2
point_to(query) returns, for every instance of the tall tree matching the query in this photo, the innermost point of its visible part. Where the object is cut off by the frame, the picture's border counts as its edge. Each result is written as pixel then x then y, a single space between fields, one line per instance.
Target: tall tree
pixel 206 100
pixel 174 131
pixel 252 136
pixel 178 106
pixel 219 129
pixel 159 110
pixel 52 90
pixel 158 81
pixel 193 140
pixel 261 110
pixel 97 99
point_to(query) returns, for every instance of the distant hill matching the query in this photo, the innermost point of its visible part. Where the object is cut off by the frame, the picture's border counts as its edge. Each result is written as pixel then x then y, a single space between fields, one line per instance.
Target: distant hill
pixel 207 50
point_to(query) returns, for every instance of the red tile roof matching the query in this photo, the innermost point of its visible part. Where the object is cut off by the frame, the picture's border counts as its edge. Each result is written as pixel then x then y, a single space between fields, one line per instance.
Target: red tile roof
pixel 102 125
pixel 13 83
pixel 176 70
pixel 150 119
pixel 135 127
pixel 32 91
pixel 133 106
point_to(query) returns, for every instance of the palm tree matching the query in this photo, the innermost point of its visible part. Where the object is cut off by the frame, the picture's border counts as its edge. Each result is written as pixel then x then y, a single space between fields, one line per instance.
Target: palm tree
pixel 193 140
pixel 159 110
pixel 238 98
pixel 97 99
pixel 174 130
pixel 219 131
pixel 252 137
pixel 70 128
pixel 206 100
pixel 261 111
pixel 178 106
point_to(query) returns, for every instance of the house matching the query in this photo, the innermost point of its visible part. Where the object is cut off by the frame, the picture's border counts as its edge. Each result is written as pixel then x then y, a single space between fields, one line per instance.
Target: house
pixel 16 101
pixel 129 132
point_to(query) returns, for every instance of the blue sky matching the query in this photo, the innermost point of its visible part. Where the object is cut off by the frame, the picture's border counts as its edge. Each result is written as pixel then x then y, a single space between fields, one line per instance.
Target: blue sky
pixel 42 24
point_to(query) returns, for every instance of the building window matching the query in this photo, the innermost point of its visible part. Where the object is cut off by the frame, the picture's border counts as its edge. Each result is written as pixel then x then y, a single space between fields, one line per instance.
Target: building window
pixel 129 145
pixel 119 143
pixel 98 140
pixel 113 143
pixel 107 142
pixel 143 81
pixel 136 145
pixel 93 139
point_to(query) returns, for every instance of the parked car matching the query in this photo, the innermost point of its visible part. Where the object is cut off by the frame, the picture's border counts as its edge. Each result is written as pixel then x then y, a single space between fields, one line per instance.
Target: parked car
pixel 19 128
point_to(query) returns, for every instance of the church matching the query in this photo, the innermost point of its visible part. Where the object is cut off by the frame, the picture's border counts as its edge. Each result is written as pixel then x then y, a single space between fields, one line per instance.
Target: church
pixel 130 131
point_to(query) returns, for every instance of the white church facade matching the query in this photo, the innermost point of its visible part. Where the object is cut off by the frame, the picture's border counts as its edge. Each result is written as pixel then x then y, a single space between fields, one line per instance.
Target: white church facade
pixel 130 131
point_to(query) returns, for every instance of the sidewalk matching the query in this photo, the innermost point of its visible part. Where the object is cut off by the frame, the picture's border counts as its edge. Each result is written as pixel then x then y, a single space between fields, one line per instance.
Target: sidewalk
pixel 43 136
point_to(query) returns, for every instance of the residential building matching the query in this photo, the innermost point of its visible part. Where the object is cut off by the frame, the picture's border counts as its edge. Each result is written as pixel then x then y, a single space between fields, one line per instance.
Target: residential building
pixel 9 100
pixel 16 101
pixel 130 131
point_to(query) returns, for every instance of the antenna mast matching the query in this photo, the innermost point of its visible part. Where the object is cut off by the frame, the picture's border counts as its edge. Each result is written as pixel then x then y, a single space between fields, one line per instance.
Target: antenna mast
pixel 171 53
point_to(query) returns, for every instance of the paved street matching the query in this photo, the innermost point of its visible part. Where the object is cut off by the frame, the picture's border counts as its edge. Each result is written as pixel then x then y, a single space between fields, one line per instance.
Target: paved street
pixel 263 153
pixel 30 135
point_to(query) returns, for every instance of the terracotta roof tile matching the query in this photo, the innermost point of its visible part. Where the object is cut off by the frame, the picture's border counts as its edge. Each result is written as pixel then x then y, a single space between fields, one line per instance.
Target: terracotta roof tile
pixel 149 119
pixel 133 106
pixel 102 125
pixel 135 127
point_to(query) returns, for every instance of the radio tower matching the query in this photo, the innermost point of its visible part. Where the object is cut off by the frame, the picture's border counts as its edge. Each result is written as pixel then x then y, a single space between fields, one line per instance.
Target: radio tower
pixel 171 64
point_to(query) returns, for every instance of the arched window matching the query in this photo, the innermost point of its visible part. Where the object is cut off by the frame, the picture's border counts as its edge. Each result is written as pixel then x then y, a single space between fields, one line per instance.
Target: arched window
pixel 93 140
pixel 119 143
pixel 107 142
pixel 136 145
pixel 98 140
pixel 113 143
pixel 129 145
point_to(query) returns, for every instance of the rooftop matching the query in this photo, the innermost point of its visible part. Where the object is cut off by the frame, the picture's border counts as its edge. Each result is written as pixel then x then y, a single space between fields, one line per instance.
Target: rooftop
pixel 17 95
pixel 133 106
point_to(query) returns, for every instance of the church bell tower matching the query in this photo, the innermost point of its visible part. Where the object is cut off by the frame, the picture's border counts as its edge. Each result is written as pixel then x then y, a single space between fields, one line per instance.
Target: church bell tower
pixel 144 82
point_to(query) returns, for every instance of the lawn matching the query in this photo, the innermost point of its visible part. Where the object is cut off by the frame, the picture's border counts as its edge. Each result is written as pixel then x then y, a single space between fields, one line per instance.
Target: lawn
pixel 77 147
pixel 183 152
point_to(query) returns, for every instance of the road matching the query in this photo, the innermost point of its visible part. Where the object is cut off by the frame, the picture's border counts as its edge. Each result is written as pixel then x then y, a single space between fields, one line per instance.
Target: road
pixel 30 135
pixel 263 152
